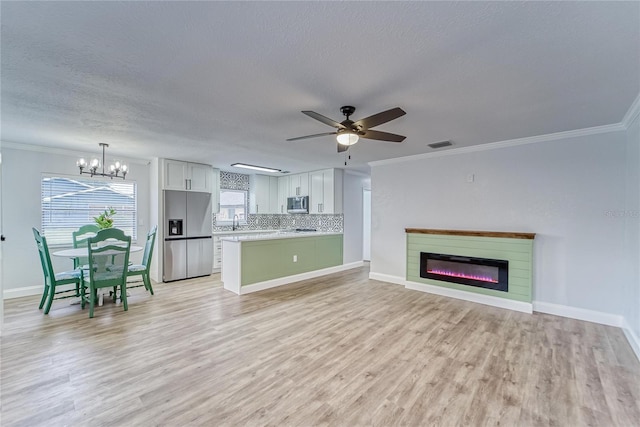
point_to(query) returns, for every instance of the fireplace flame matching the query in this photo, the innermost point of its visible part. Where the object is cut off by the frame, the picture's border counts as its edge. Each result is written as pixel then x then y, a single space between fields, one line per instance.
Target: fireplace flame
pixel 463 276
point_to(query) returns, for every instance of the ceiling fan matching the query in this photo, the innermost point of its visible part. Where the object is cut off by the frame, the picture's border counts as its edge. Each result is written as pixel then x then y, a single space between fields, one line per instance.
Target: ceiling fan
pixel 348 132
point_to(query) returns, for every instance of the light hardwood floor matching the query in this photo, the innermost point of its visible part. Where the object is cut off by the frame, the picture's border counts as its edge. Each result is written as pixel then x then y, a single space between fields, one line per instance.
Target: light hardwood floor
pixel 339 350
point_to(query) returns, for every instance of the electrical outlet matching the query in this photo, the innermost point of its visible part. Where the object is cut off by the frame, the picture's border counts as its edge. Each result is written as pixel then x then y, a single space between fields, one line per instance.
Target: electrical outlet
pixel 295 258
pixel 470 177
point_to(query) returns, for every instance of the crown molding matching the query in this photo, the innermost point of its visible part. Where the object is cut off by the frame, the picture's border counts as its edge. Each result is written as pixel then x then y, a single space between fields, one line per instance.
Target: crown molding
pixel 632 113
pixel 65 152
pixel 504 144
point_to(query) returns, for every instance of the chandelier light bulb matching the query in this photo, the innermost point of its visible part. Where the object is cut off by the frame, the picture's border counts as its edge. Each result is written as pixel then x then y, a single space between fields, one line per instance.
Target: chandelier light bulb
pixel 113 170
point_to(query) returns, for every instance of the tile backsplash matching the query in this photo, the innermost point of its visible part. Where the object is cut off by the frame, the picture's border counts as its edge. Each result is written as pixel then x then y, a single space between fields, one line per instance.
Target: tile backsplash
pixel 286 221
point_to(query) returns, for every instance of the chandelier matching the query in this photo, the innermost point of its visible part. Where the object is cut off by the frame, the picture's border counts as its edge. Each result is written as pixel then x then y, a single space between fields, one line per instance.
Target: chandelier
pixel 117 169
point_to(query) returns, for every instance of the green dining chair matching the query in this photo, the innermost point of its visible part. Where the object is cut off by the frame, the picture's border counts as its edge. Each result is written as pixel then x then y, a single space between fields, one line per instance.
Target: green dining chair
pixel 143 269
pixel 51 279
pixel 108 254
pixel 80 237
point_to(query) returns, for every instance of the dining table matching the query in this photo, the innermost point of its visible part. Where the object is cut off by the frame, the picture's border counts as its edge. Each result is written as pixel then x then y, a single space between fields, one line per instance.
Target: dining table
pixel 84 252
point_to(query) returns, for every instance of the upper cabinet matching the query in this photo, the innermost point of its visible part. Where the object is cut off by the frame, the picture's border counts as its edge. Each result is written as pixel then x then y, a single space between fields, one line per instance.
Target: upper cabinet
pixel 188 176
pixel 291 186
pixel 263 195
pixel 299 184
pixel 215 191
pixel 283 193
pixel 325 196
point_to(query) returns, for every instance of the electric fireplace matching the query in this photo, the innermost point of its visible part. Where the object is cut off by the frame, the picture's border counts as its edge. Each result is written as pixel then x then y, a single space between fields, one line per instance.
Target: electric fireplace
pixel 480 272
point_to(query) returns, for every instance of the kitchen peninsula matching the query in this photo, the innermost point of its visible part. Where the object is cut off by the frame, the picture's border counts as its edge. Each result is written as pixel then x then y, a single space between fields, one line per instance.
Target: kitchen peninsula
pixel 256 262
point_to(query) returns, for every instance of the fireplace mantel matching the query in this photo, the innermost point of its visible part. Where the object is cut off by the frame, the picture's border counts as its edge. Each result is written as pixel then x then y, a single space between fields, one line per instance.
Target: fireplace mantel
pixel 502 234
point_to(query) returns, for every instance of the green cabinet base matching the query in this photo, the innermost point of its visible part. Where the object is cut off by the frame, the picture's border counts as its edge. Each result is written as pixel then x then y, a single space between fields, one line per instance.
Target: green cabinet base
pixel 263 260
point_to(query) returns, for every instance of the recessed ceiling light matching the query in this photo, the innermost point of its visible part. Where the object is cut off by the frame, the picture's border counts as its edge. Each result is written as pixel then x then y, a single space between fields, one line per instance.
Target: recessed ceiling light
pixel 257 168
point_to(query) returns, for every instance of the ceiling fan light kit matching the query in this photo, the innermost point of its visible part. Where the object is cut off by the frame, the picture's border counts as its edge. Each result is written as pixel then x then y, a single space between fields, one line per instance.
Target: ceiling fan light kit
pixel 349 132
pixel 347 138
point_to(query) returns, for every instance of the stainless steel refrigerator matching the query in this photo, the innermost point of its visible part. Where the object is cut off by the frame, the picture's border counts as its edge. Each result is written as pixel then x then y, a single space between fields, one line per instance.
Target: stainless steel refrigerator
pixel 188 243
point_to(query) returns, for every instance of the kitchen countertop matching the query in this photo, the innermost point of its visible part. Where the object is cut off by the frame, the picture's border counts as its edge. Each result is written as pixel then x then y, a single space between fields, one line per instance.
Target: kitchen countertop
pixel 232 232
pixel 279 235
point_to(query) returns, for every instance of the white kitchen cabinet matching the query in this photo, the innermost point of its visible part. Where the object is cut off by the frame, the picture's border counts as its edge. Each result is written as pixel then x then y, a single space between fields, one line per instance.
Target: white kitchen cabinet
pixel 200 177
pixel 283 193
pixel 299 184
pixel 217 254
pixel 273 195
pixel 187 176
pixel 263 195
pixel 175 175
pixel 325 196
pixel 215 191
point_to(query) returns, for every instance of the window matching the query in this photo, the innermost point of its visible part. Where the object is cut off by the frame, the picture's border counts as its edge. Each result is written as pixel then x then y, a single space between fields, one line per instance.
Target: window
pixel 232 202
pixel 69 203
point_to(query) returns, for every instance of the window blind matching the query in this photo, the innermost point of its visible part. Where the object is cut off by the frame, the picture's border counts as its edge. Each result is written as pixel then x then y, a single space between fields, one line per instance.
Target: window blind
pixel 69 203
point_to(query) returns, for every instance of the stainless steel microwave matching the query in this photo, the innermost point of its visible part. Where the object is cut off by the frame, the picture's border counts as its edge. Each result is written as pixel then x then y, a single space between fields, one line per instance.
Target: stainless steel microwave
pixel 298 204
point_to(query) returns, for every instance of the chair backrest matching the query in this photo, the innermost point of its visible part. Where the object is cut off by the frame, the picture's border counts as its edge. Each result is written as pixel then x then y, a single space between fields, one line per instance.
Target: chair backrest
pixel 80 238
pixel 148 247
pixel 82 234
pixel 108 257
pixel 45 257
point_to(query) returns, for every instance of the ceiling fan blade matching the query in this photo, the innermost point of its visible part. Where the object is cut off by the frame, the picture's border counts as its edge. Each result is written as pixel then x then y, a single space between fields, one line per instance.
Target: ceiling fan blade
pixel 382 136
pixel 323 119
pixel 380 118
pixel 342 148
pixel 312 136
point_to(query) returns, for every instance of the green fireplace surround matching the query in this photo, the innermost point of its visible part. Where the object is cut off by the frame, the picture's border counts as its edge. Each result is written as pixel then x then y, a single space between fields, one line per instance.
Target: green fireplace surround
pixel 516 248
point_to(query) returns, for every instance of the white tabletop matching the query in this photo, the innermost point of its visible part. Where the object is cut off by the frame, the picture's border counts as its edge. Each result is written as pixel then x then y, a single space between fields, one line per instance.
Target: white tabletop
pixel 83 252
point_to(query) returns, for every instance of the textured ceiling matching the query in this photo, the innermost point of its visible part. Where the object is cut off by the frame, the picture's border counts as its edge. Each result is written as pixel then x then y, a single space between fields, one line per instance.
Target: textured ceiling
pixel 224 82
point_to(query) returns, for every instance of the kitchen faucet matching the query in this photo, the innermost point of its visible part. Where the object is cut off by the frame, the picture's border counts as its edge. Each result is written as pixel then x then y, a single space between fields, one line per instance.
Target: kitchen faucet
pixel 233 223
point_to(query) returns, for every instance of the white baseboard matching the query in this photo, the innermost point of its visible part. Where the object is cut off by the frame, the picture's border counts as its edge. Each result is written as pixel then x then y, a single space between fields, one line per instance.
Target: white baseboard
pixel 22 292
pixel 297 277
pixel 523 307
pixel 454 293
pixel 578 313
pixel 633 339
pixel 388 278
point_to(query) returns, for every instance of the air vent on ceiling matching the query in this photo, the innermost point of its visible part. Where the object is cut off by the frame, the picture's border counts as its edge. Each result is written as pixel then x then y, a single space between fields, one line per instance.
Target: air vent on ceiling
pixel 440 144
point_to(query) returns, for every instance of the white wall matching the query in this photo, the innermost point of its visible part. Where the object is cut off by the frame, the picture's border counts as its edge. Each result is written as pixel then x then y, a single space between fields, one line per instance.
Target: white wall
pixel 155 209
pixel 366 224
pixel 632 223
pixel 21 176
pixel 1 245
pixel 352 205
pixel 563 190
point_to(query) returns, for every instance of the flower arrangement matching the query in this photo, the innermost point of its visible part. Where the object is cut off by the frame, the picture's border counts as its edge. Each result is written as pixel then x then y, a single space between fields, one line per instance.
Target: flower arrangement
pixel 105 220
